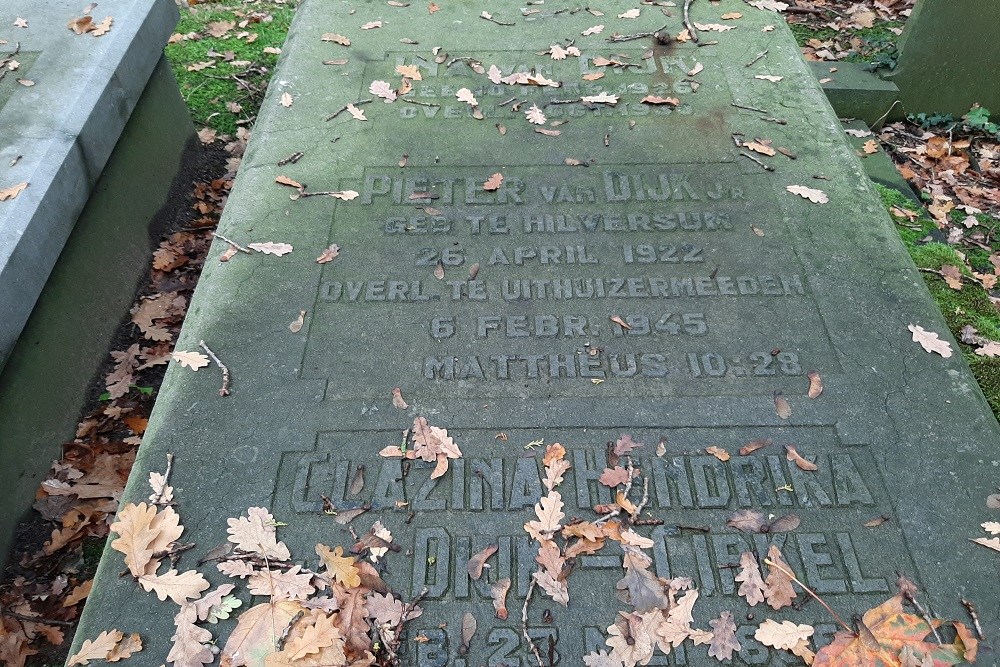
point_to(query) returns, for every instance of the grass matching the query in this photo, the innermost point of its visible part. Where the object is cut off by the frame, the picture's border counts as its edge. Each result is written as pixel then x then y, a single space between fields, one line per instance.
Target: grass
pixel 208 91
pixel 969 306
pixel 878 43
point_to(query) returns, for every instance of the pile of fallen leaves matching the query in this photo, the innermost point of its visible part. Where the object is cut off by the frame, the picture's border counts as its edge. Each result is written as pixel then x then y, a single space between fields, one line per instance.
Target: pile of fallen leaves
pixel 41 600
pixel 343 613
pixel 845 18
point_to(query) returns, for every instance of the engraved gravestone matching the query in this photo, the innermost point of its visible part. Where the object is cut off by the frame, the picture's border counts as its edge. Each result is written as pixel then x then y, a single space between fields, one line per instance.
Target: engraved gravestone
pixel 633 274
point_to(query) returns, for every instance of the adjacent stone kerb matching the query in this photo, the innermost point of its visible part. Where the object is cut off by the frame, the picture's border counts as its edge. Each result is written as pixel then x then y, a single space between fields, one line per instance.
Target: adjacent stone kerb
pixel 64 129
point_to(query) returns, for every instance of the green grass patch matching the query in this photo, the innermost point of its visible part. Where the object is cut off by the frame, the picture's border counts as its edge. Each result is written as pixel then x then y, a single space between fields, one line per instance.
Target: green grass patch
pixel 244 79
pixel 969 306
pixel 877 44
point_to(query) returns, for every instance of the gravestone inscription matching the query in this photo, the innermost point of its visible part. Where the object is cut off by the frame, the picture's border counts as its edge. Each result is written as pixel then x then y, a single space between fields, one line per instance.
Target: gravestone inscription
pixel 634 276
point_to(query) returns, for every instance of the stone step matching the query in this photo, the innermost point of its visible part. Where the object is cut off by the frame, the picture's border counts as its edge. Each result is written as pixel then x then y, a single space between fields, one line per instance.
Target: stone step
pixel 494 313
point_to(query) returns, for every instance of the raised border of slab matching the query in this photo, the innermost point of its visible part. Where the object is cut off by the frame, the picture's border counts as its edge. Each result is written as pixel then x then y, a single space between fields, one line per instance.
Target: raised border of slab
pixel 63 130
pixel 75 245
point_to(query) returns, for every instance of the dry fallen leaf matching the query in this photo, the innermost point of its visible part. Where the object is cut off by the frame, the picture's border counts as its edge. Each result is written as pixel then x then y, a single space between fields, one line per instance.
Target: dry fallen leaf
pixel 96 649
pixel 656 99
pixel 356 113
pixel 778 590
pixel 758 147
pixel 602 98
pixel 192 360
pixel 382 89
pixel 286 100
pixel 724 640
pixel 372 24
pixel 989 543
pixel 785 635
pixel 952 275
pixel 593 76
pixel 815 384
pixel 410 72
pixel 296 325
pixel 478 561
pixel 535 115
pixel 284 180
pixel 769 77
pixel 793 455
pixel 630 14
pixel 271 248
pixel 813 195
pixel 870 147
pixel 329 254
pixel 730 16
pixel 465 95
pixel 336 39
pixel 930 341
pixel 887 630
pixel 782 407
pixel 498 592
pixel 493 182
pixel 754 445
pixel 14 190
pixel 397 399
pixel 718 452
pixel 751 582
pixel 593 30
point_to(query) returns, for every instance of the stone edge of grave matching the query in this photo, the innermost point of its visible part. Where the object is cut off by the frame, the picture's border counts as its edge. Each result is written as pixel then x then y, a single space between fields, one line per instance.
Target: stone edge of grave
pixel 64 156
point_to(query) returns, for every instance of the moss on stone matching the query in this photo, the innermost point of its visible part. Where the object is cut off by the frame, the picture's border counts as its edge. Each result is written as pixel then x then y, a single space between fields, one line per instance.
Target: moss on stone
pixel 969 306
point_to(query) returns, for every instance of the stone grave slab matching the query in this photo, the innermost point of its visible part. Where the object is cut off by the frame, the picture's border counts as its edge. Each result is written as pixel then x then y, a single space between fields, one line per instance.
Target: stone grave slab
pixel 494 313
pixel 60 128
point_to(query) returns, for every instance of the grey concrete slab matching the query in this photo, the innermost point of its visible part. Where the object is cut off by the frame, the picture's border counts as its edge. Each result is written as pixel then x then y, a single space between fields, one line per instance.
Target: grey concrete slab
pixel 50 372
pixel 64 127
pixel 734 289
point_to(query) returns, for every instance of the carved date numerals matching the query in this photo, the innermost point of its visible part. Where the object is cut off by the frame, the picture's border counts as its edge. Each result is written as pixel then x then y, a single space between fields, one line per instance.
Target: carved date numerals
pixel 692 324
pixel 644 253
pixel 761 364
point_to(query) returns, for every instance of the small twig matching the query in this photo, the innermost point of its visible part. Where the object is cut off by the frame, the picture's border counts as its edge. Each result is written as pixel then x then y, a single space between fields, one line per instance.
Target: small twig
pixel 344 108
pixel 493 20
pixel 508 101
pixel 36 619
pixel 687 21
pixel 234 244
pixel 173 551
pixel 879 120
pixel 524 624
pixel 907 592
pixel 418 102
pixel 971 608
pixel 224 390
pixel 645 496
pixel 767 167
pixel 779 121
pixel 291 159
pixel 748 107
pixel 464 59
pixel 639 35
pixel 808 590
pixel 166 478
pixel 760 55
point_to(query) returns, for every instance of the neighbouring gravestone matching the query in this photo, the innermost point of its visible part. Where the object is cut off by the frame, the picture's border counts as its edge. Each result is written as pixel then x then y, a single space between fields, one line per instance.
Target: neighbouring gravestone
pixel 643 270
pixel 93 132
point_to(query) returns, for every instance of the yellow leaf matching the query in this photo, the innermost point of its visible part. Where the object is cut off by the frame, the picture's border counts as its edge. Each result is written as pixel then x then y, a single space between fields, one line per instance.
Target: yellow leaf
pixel 341 568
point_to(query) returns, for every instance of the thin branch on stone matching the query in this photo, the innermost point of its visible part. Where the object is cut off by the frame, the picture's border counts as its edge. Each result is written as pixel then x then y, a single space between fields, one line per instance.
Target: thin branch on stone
pixel 224 390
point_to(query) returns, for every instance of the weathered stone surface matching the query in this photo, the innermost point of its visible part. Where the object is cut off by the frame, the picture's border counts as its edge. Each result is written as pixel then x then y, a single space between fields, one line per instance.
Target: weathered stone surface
pixel 59 132
pixel 734 289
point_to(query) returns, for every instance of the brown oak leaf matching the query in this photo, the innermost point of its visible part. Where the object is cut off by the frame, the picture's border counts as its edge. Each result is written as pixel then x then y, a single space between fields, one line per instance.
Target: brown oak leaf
pixel 724 640
pixel 778 589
